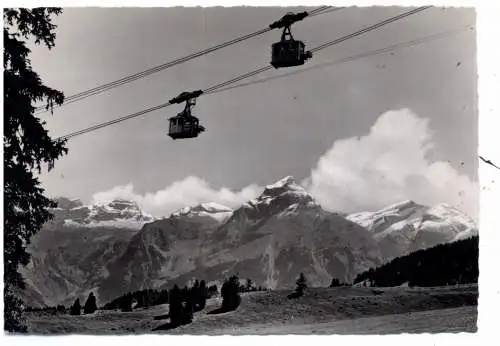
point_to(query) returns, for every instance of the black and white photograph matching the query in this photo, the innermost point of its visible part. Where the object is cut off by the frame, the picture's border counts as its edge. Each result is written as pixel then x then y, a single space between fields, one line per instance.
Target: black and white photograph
pixel 241 170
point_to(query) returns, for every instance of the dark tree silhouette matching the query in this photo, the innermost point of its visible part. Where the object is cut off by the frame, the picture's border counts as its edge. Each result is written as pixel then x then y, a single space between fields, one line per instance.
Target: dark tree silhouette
pixel 175 307
pixel 301 284
pixel 230 294
pixel 249 285
pixel 335 283
pixel 188 308
pixel 76 309
pixel 444 264
pixel 202 295
pixel 213 291
pixel 90 305
pixel 144 298
pixel 27 146
pixel 126 303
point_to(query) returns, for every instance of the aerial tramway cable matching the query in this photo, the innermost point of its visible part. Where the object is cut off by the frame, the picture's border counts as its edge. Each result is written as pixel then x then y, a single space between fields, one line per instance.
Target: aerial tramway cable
pixel 130 78
pixel 391 48
pixel 213 89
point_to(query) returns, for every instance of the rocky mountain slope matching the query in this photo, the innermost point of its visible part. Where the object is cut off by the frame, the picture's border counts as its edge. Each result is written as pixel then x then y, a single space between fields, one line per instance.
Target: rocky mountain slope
pixel 163 249
pixel 283 232
pixel 71 253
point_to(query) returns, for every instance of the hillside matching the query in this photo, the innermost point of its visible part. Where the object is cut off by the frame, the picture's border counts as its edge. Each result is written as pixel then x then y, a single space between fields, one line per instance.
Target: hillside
pixel 445 264
pixel 341 310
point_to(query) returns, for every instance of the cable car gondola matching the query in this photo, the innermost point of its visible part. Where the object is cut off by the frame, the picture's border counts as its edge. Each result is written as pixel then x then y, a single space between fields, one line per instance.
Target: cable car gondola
pixel 288 52
pixel 184 124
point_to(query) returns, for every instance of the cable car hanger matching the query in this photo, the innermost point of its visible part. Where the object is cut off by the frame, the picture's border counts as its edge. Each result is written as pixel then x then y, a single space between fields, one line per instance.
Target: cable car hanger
pixel 184 124
pixel 288 52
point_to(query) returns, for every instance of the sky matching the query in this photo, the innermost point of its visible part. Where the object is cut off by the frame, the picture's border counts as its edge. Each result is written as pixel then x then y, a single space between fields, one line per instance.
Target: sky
pixel 358 135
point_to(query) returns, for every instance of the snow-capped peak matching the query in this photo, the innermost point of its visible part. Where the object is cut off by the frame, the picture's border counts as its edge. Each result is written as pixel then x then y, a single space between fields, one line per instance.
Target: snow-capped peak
pixel 117 208
pixel 446 211
pixel 378 220
pixel 214 210
pixel 116 213
pixel 400 206
pixel 287 181
pixel 408 226
pixel 281 195
pixel 286 185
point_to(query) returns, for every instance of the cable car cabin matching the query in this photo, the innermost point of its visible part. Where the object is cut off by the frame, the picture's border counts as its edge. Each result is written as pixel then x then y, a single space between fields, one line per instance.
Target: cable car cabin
pixel 288 53
pixel 182 126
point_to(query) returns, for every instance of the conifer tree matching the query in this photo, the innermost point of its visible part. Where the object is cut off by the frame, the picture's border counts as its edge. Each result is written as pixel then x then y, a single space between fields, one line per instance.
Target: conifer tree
pixel 301 284
pixel 203 294
pixel 230 294
pixel 90 305
pixel 27 146
pixel 175 306
pixel 76 309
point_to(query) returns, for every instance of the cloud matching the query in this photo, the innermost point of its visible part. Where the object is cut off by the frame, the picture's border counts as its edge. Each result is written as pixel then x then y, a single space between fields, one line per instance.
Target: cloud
pixel 389 165
pixel 187 192
pixel 386 166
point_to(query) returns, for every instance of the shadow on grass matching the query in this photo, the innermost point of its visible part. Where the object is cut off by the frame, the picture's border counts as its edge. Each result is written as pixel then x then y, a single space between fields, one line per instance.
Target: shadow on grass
pixel 221 310
pixel 295 295
pixel 166 326
pixel 162 317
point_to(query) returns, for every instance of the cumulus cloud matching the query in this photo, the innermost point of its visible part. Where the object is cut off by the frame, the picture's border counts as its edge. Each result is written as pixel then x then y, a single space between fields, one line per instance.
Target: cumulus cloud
pixel 187 192
pixel 385 166
pixel 389 165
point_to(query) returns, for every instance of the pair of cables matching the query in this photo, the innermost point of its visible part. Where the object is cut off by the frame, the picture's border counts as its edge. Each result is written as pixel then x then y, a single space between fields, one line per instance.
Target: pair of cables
pixel 133 77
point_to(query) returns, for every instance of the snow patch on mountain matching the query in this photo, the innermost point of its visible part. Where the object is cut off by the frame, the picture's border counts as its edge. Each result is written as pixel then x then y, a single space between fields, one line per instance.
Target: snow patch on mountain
pixel 407 226
pixel 216 211
pixel 117 214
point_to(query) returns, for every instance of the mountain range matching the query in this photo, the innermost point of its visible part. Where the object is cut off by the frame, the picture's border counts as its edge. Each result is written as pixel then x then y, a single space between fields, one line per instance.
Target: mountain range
pixel 113 248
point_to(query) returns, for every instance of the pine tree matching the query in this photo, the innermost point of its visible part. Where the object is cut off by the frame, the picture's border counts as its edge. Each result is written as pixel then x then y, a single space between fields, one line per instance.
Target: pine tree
pixel 90 305
pixel 335 283
pixel 188 308
pixel 230 294
pixel 27 146
pixel 76 309
pixel 203 294
pixel 301 284
pixel 126 303
pixel 175 306
pixel 249 285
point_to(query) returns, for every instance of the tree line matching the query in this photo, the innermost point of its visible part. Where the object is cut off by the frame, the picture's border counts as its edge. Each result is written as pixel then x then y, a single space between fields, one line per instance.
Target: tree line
pixel 444 264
